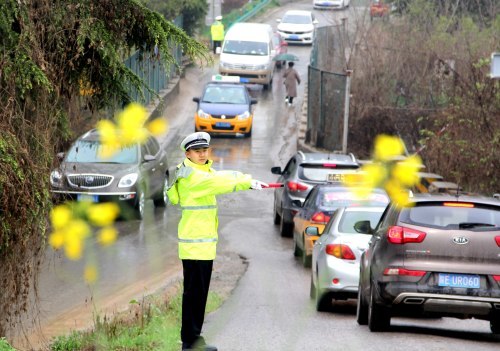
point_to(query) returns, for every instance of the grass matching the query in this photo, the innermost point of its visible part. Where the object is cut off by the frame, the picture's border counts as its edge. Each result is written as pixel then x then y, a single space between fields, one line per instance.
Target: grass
pixel 152 324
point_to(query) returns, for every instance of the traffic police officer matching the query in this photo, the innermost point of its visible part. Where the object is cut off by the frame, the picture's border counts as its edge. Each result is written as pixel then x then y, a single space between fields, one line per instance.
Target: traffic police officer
pixel 217 33
pixel 194 189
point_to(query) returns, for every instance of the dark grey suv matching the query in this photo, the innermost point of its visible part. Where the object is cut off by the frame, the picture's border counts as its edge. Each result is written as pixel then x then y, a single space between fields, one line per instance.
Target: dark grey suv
pixel 438 257
pixel 302 172
pixel 129 177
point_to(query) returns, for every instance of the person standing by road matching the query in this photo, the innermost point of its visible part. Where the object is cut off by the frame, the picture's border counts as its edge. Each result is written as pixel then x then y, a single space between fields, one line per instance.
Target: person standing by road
pixel 217 33
pixel 291 79
pixel 195 189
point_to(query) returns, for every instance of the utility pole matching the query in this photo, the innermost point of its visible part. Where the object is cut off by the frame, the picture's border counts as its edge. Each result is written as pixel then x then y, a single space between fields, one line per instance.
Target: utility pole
pixel 346 109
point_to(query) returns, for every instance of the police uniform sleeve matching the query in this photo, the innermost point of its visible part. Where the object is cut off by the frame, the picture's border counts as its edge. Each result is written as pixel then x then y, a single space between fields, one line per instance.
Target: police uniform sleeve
pixel 218 182
pixel 173 192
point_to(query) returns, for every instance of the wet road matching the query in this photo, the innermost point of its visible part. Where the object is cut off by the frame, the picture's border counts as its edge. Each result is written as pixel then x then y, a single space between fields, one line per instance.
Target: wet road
pixel 270 309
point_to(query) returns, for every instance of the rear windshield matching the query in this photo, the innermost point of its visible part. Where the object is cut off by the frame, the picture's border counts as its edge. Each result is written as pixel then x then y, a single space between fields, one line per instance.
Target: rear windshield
pixel 320 173
pixel 238 47
pixel 446 217
pixel 349 218
pixel 338 198
pixel 90 151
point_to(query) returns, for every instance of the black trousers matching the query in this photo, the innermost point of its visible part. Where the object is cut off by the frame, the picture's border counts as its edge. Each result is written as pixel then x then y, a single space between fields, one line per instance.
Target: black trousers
pixel 217 44
pixel 197 275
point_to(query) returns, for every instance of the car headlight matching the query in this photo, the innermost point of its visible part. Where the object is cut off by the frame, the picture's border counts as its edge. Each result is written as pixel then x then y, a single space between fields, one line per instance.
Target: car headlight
pixel 223 64
pixel 244 115
pixel 202 114
pixel 264 67
pixel 128 180
pixel 55 178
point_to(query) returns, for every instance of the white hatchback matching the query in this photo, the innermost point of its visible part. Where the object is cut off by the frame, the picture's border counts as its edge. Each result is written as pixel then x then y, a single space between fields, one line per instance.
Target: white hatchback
pixel 297 26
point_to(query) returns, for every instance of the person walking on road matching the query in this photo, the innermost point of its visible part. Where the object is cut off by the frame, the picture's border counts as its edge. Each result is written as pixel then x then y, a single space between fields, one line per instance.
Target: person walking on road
pixel 291 79
pixel 194 189
pixel 217 33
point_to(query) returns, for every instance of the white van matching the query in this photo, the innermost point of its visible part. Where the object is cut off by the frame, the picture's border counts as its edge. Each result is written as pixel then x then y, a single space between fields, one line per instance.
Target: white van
pixel 248 51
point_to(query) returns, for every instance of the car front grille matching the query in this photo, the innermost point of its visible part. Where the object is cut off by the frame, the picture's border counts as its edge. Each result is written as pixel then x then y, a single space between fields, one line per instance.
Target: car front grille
pixel 225 117
pixel 89 181
pixel 248 67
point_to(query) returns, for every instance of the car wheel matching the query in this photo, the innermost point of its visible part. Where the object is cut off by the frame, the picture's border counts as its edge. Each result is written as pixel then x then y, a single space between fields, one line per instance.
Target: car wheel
pixel 141 204
pixel 297 252
pixel 323 301
pixel 163 199
pixel 285 228
pixel 266 86
pixel 495 326
pixel 249 134
pixel 312 289
pixel 361 308
pixel 379 318
pixel 277 217
pixel 306 259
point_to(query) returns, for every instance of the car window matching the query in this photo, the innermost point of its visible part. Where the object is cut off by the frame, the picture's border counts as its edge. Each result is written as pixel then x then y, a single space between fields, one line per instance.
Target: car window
pixel 91 151
pixel 438 215
pixel 311 198
pixel 389 218
pixel 333 198
pixel 322 174
pixel 290 167
pixel 349 218
pixel 238 47
pixel 153 146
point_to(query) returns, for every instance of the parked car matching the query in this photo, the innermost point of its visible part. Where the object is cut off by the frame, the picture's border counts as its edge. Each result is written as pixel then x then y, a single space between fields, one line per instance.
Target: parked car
pixel 281 47
pixel 425 180
pixel 225 107
pixel 436 257
pixel 331 4
pixel 317 209
pixel 444 187
pixel 301 173
pixel 336 255
pixel 131 176
pixel 297 26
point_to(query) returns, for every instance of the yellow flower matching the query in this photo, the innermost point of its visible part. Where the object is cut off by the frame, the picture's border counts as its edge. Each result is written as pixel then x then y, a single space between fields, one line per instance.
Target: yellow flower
pixel 131 124
pixel 107 236
pixel 374 174
pixel 77 228
pixel 103 214
pixel 73 247
pixel 90 274
pixel 157 127
pixel 387 147
pixel 56 239
pixel 399 195
pixel 109 138
pixel 406 171
pixel 60 216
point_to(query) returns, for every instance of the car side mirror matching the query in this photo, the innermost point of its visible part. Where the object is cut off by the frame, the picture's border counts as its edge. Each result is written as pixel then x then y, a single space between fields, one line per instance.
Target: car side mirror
pixel 297 203
pixel 312 231
pixel 278 20
pixel 363 227
pixel 276 170
pixel 315 21
pixel 149 158
pixel 253 101
pixel 196 99
pixel 60 156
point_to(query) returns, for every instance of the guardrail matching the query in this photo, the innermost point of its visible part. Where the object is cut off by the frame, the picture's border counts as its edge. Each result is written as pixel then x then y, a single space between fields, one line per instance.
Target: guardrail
pixel 256 9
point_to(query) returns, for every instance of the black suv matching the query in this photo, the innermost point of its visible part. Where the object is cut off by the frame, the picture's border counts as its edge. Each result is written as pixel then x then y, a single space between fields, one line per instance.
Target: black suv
pixel 302 172
pixel 437 257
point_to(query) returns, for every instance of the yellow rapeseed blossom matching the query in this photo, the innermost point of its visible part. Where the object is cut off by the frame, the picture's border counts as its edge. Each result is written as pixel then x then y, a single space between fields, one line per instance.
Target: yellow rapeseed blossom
pixel 387 147
pixel 56 239
pixel 109 138
pixel 157 127
pixel 60 216
pixel 103 214
pixel 90 274
pixel 107 236
pixel 406 171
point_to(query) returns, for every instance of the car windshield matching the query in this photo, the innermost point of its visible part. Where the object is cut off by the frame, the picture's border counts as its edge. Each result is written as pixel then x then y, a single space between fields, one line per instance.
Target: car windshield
pixel 477 217
pixel 320 173
pixel 349 219
pixel 224 95
pixel 334 198
pixel 296 19
pixel 89 151
pixel 238 47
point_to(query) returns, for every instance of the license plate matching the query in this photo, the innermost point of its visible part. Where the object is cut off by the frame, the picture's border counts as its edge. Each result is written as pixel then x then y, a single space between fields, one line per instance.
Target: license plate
pixel 89 198
pixel 336 177
pixel 294 37
pixel 223 124
pixel 459 280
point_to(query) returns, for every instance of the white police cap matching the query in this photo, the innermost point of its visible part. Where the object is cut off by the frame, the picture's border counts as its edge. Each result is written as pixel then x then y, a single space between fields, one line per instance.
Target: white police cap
pixel 196 140
pixel 218 18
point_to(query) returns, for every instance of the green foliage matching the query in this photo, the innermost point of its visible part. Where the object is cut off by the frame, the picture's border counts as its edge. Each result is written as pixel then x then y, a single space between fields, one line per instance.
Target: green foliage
pixel 5 346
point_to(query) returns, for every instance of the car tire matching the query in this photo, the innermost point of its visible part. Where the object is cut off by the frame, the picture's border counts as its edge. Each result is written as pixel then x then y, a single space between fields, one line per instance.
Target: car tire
pixel 323 302
pixel 140 207
pixel 379 318
pixel 297 252
pixel 162 200
pixel 277 217
pixel 312 289
pixel 285 228
pixel 266 86
pixel 249 134
pixel 306 259
pixel 495 325
pixel 361 308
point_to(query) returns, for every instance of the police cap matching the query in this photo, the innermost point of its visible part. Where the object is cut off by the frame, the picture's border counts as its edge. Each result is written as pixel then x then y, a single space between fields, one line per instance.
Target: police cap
pixel 196 140
pixel 218 18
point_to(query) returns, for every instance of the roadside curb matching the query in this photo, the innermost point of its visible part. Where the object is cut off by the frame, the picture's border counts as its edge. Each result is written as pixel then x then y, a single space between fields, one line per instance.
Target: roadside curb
pixel 157 106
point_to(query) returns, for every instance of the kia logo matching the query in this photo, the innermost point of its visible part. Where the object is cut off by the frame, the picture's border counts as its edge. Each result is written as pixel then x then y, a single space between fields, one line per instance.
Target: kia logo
pixel 89 180
pixel 460 240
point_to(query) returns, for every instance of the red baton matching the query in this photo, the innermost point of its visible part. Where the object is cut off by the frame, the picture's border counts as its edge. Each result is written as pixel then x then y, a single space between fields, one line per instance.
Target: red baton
pixel 274 185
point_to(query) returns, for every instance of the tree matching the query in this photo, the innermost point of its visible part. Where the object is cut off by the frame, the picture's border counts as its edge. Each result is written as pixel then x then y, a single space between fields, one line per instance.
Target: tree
pixel 48 50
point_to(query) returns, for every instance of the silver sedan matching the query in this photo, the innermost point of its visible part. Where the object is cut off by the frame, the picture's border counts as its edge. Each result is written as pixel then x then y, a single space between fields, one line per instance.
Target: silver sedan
pixel 336 255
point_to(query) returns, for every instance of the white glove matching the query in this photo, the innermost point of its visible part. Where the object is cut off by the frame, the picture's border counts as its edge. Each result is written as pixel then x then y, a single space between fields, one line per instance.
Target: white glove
pixel 258 185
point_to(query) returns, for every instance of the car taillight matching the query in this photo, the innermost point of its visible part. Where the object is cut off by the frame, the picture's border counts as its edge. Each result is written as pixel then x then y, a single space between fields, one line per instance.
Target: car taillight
pixel 458 204
pixel 340 251
pixel 320 217
pixel 329 165
pixel 497 239
pixel 403 235
pixel 402 271
pixel 497 278
pixel 295 186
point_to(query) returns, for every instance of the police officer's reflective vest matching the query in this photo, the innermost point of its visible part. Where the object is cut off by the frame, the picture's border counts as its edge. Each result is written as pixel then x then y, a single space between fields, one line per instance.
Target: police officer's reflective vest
pixel 194 190
pixel 217 31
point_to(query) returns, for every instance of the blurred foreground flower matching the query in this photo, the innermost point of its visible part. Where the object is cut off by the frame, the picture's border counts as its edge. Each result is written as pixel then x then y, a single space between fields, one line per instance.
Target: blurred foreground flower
pixel 390 170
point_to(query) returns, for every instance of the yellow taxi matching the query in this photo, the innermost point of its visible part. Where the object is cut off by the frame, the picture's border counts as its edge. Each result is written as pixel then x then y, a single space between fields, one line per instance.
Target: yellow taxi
pixel 225 107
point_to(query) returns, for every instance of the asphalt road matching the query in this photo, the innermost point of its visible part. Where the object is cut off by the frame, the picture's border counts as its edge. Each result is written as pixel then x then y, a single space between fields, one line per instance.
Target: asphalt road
pixel 270 309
